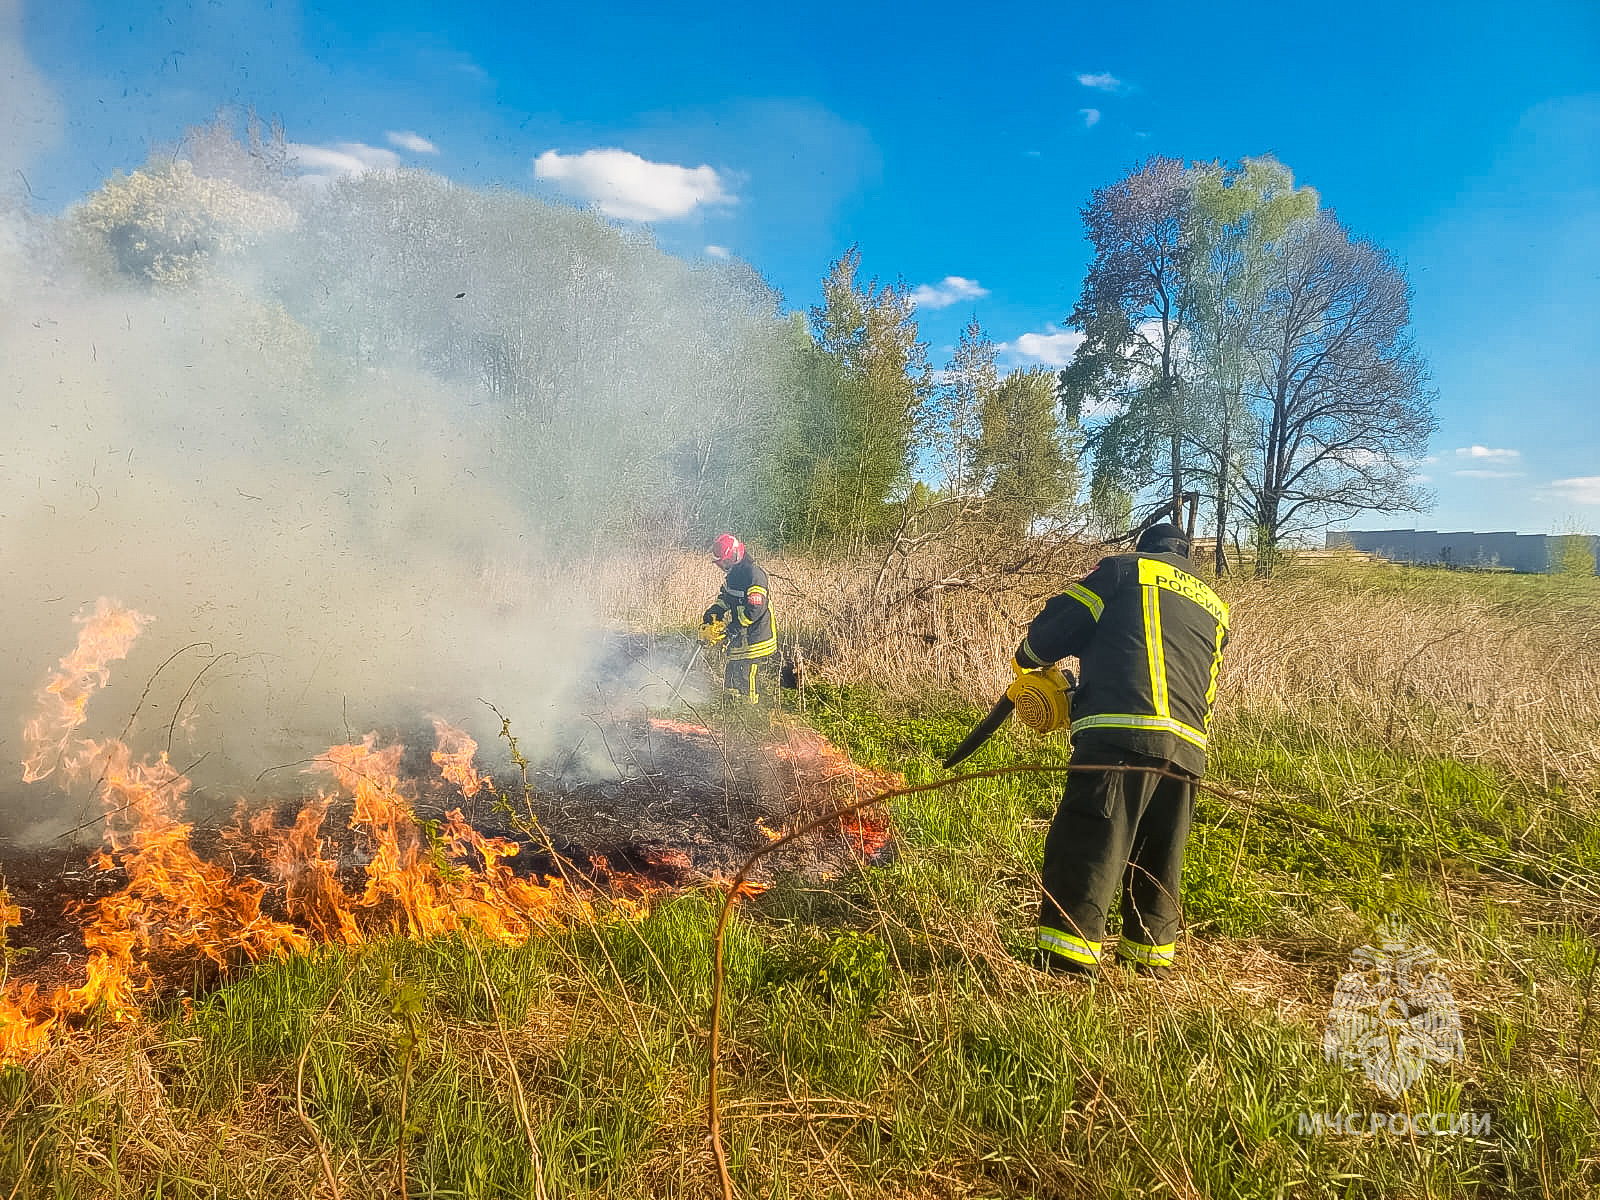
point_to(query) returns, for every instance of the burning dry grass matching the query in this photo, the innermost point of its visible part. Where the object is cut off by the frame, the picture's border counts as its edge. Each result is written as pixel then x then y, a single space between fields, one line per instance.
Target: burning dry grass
pixel 176 907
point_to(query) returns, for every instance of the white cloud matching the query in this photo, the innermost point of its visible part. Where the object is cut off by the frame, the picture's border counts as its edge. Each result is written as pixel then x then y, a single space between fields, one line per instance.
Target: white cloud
pixel 716 252
pixel 1091 117
pixel 1583 489
pixel 320 164
pixel 629 188
pixel 953 289
pixel 407 139
pixel 1487 473
pixel 1485 454
pixel 1053 348
pixel 1104 81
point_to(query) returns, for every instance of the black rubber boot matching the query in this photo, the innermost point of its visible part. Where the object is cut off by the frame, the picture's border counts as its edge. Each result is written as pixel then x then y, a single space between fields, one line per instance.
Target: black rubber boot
pixel 1058 964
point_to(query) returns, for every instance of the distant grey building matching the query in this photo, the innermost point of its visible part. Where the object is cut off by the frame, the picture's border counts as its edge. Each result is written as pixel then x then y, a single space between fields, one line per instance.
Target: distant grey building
pixel 1527 552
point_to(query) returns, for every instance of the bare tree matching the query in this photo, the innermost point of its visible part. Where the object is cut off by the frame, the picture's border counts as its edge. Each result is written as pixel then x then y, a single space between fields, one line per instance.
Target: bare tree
pixel 1134 314
pixel 1340 390
pixel 261 162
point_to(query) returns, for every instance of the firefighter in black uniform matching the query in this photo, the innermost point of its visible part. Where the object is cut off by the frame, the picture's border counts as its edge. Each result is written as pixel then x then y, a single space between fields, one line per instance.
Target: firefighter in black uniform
pixel 1148 637
pixel 741 616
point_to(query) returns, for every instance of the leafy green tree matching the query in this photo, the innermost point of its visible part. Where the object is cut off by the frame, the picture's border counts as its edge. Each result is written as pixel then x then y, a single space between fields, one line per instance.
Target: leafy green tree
pixel 164 223
pixel 636 394
pixel 861 461
pixel 1237 214
pixel 801 466
pixel 1572 551
pixel 1024 459
pixel 965 389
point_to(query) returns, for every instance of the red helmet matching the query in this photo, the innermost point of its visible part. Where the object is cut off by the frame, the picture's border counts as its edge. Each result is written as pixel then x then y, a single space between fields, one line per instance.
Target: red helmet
pixel 727 550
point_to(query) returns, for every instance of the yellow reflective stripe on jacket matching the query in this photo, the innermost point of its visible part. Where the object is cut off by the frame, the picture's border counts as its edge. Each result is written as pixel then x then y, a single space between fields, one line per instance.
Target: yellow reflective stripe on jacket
pixel 1138 721
pixel 1068 946
pixel 1216 662
pixel 1155 573
pixel 754 650
pixel 1032 657
pixel 1151 956
pixel 1154 649
pixel 1088 599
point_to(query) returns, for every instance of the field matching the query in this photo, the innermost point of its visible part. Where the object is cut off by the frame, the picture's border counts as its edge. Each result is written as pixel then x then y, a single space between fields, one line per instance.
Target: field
pixel 1389 742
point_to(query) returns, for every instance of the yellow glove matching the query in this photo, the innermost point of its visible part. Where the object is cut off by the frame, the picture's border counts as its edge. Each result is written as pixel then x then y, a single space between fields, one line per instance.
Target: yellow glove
pixel 713 632
pixel 1043 699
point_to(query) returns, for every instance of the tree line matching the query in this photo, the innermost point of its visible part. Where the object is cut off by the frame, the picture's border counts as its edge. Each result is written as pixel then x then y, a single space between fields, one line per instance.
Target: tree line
pixel 1238 341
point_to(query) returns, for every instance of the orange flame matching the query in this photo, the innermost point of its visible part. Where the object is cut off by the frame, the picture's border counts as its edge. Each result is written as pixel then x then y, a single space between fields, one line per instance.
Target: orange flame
pixel 430 879
pixel 173 900
pixel 425 878
pixel 454 759
pixel 106 636
pixel 312 890
pixel 437 880
pixel 21 1032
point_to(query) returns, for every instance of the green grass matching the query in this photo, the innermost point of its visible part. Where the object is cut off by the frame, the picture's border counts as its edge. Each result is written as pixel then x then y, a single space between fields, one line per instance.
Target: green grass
pixel 882 1033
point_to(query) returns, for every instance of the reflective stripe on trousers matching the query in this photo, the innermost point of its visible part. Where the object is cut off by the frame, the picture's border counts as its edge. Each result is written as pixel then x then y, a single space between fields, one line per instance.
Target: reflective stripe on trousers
pixel 1150 956
pixel 1065 944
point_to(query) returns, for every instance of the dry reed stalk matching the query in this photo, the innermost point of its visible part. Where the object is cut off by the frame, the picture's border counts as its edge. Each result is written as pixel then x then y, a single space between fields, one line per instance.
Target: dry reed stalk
pixel 1462 676
pixel 1432 666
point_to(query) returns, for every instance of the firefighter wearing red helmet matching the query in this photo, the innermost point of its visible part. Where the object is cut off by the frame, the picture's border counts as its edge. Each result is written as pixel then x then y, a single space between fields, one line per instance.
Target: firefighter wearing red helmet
pixel 741 615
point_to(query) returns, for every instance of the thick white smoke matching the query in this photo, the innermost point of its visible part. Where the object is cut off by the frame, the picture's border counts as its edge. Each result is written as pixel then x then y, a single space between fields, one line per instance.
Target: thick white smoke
pixel 331 530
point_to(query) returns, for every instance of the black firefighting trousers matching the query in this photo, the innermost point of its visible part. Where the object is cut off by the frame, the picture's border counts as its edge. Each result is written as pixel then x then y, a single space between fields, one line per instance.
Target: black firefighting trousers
pixel 742 676
pixel 1116 826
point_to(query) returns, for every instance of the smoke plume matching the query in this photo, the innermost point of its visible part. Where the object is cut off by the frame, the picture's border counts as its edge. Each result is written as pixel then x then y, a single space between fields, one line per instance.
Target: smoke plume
pixel 346 451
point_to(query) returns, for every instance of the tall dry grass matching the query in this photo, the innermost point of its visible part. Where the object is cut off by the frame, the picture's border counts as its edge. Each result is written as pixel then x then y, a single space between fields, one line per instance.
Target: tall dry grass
pixel 1492 673
pixel 1478 668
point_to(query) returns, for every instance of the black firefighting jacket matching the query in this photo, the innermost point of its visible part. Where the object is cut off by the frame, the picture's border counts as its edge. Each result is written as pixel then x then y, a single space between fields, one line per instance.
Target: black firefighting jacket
pixel 751 633
pixel 1148 637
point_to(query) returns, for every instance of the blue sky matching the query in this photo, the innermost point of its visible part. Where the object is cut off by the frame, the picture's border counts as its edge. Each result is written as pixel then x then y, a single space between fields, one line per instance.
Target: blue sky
pixel 954 144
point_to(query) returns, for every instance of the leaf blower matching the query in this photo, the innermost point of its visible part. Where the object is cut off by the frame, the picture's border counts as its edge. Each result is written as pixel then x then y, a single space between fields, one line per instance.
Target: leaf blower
pixel 1042 701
